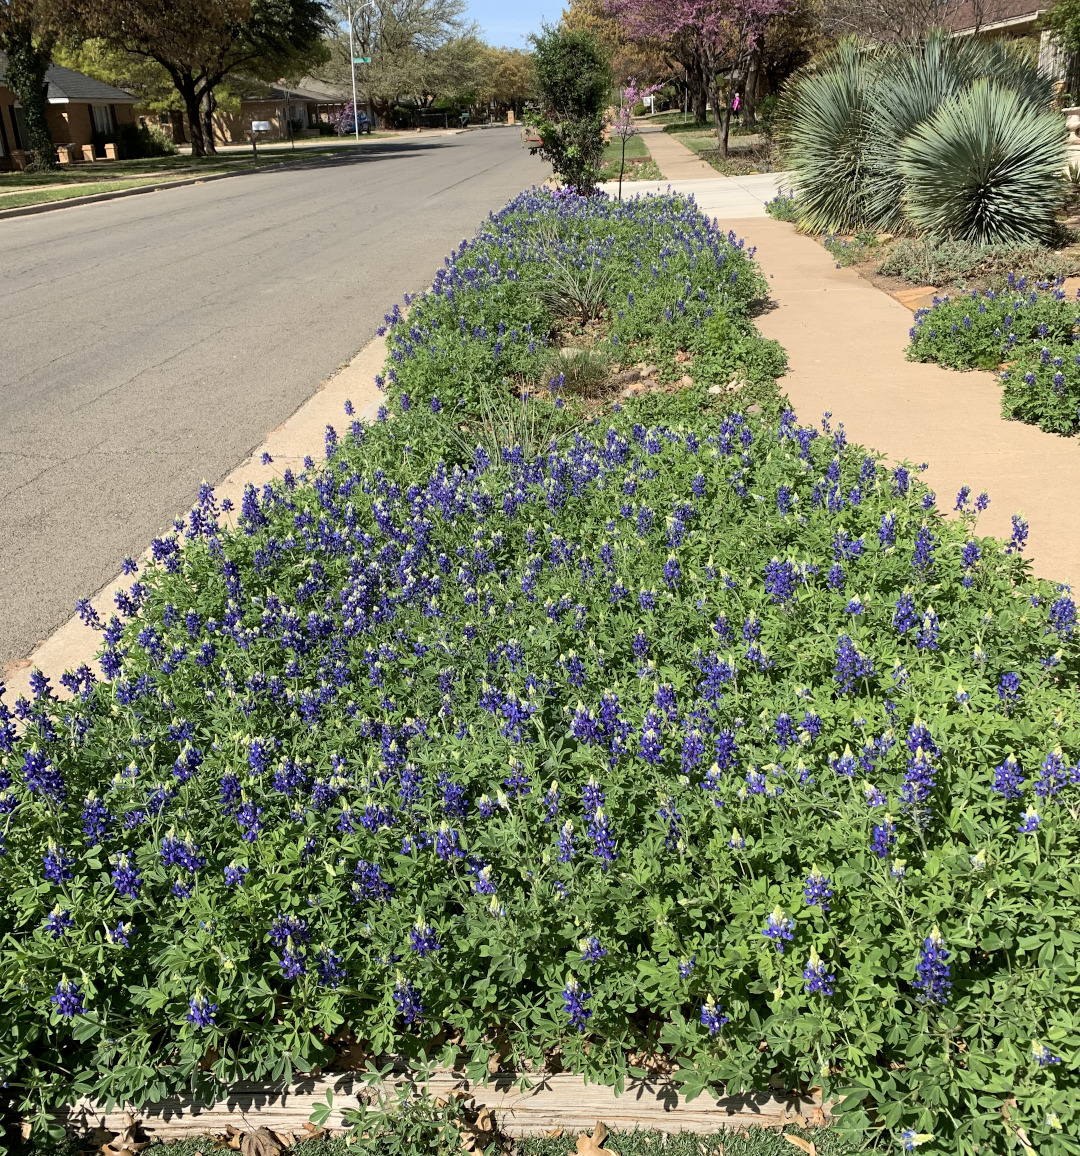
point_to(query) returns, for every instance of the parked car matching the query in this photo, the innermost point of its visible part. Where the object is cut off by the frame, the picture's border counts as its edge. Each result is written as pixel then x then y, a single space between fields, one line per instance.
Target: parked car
pixel 362 122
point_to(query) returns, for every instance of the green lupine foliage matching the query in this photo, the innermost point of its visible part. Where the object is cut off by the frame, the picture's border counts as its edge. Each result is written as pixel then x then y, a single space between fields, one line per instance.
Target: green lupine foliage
pixel 324 796
pixel 491 320
pixel 1042 387
pixel 1031 331
pixel 980 331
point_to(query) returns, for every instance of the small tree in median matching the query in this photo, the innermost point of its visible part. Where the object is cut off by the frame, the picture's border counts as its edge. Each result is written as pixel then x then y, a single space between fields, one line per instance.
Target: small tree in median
pixel 573 83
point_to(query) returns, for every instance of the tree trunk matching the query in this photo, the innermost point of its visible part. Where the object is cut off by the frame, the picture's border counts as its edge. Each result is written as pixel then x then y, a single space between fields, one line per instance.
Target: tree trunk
pixel 207 112
pixel 700 100
pixel 749 102
pixel 721 119
pixel 25 77
pixel 189 93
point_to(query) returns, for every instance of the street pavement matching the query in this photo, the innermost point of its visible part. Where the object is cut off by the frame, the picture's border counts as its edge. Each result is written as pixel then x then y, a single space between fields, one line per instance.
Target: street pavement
pixel 151 342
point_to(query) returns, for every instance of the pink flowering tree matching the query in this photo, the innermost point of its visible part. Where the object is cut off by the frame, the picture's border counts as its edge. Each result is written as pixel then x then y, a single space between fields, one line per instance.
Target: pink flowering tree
pixel 713 37
pixel 622 124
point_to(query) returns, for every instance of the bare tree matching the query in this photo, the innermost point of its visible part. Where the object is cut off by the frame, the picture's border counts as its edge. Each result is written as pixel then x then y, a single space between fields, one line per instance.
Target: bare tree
pixel 890 20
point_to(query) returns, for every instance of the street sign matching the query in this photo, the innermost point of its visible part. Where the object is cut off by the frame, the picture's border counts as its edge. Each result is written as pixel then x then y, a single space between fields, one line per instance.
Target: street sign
pixel 260 126
pixel 361 60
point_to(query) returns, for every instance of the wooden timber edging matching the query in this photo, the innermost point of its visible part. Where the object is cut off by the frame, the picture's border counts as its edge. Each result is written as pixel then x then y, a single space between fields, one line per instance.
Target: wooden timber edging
pixel 556 1101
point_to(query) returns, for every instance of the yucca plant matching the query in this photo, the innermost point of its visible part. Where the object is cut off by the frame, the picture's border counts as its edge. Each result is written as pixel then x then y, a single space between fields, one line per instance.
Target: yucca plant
pixel 823 125
pixel 850 177
pixel 986 167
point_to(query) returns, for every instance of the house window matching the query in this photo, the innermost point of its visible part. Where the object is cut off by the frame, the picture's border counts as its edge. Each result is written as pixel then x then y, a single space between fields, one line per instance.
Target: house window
pixel 101 117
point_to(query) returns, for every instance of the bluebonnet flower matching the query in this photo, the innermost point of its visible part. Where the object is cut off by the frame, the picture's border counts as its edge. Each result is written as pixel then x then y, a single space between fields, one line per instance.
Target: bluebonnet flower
pixel 883 838
pixel 736 842
pixel 293 960
pixel 1054 774
pixel 125 876
pixel 447 845
pixel 851 665
pixel 566 842
pixel 1007 778
pixel 816 979
pixel 1042 1055
pixel 910 1139
pixel 68 998
pixel 423 938
pixel 818 889
pixel 235 873
pixel 1029 824
pixel 672 571
pixel 929 630
pixel 59 922
pixel 58 863
pixel 923 558
pixel 686 966
pixel 95 818
pixel 669 815
pixel 874 796
pixel 1008 690
pixel 591 950
pixel 712 1016
pixel 574 1001
pixel 599 832
pixel 329 968
pixel 781 581
pixel 1063 616
pixel 201 1011
pixel 779 928
pixel 845 764
pixel 933 974
pixel 407 1000
pixel 1020 530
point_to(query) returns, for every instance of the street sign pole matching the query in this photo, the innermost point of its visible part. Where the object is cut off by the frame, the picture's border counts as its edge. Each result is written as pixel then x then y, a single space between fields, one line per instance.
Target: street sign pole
pixel 352 67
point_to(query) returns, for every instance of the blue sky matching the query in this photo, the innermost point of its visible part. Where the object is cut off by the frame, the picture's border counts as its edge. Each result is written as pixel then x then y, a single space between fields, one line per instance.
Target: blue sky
pixel 507 22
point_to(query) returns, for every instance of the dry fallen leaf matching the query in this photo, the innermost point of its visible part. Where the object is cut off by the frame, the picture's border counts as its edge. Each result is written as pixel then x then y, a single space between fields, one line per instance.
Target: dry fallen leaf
pixel 553 1134
pixel 261 1142
pixel 312 1131
pixel 475 1137
pixel 125 1143
pixel 806 1145
pixel 591 1145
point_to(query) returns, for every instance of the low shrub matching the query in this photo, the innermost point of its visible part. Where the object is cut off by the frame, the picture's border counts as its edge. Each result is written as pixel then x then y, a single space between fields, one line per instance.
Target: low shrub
pixel 783 207
pixel 981 331
pixel 1042 387
pixel 923 261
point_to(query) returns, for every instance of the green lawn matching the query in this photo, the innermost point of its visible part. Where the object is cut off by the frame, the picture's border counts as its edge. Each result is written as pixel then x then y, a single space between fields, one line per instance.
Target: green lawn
pixel 639 163
pixel 21 188
pixel 745 155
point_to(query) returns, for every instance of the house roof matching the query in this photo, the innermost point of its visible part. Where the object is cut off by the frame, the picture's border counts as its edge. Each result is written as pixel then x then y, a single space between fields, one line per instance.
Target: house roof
pixel 988 15
pixel 66 85
pixel 307 88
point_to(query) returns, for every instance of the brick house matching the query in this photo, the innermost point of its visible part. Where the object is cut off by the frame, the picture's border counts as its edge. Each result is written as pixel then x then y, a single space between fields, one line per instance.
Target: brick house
pixel 81 111
pixel 307 104
pixel 1012 20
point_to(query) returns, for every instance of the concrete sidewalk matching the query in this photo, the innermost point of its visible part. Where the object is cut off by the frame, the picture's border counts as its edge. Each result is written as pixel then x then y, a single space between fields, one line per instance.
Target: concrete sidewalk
pixel 728 198
pixel 675 160
pixel 846 341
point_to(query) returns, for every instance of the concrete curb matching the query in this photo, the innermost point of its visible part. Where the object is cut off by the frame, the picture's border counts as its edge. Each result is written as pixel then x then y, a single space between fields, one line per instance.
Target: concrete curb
pixel 301 434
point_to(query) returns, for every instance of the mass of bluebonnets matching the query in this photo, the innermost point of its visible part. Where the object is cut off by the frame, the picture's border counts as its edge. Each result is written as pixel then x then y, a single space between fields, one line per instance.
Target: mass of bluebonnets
pixel 698 737
pixel 1029 330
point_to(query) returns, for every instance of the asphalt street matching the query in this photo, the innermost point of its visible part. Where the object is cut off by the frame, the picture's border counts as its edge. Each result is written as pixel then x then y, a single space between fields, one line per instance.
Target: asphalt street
pixel 151 342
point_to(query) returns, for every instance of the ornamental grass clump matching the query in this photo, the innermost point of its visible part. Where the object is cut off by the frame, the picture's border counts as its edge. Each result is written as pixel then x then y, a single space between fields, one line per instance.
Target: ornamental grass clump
pixel 704 738
pixel 636 280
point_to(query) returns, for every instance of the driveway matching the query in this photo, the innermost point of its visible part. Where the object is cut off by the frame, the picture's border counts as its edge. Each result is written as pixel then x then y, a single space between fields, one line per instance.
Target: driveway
pixel 151 342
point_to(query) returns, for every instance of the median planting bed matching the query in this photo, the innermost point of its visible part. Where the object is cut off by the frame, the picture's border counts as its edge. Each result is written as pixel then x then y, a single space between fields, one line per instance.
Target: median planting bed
pixel 675 737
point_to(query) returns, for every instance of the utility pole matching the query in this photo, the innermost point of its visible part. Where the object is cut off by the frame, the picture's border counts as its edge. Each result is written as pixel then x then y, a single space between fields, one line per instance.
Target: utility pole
pixel 352 68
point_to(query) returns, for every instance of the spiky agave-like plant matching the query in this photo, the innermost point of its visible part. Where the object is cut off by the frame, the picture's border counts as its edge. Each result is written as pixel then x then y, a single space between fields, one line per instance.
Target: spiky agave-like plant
pixel 909 83
pixel 822 128
pixel 986 167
